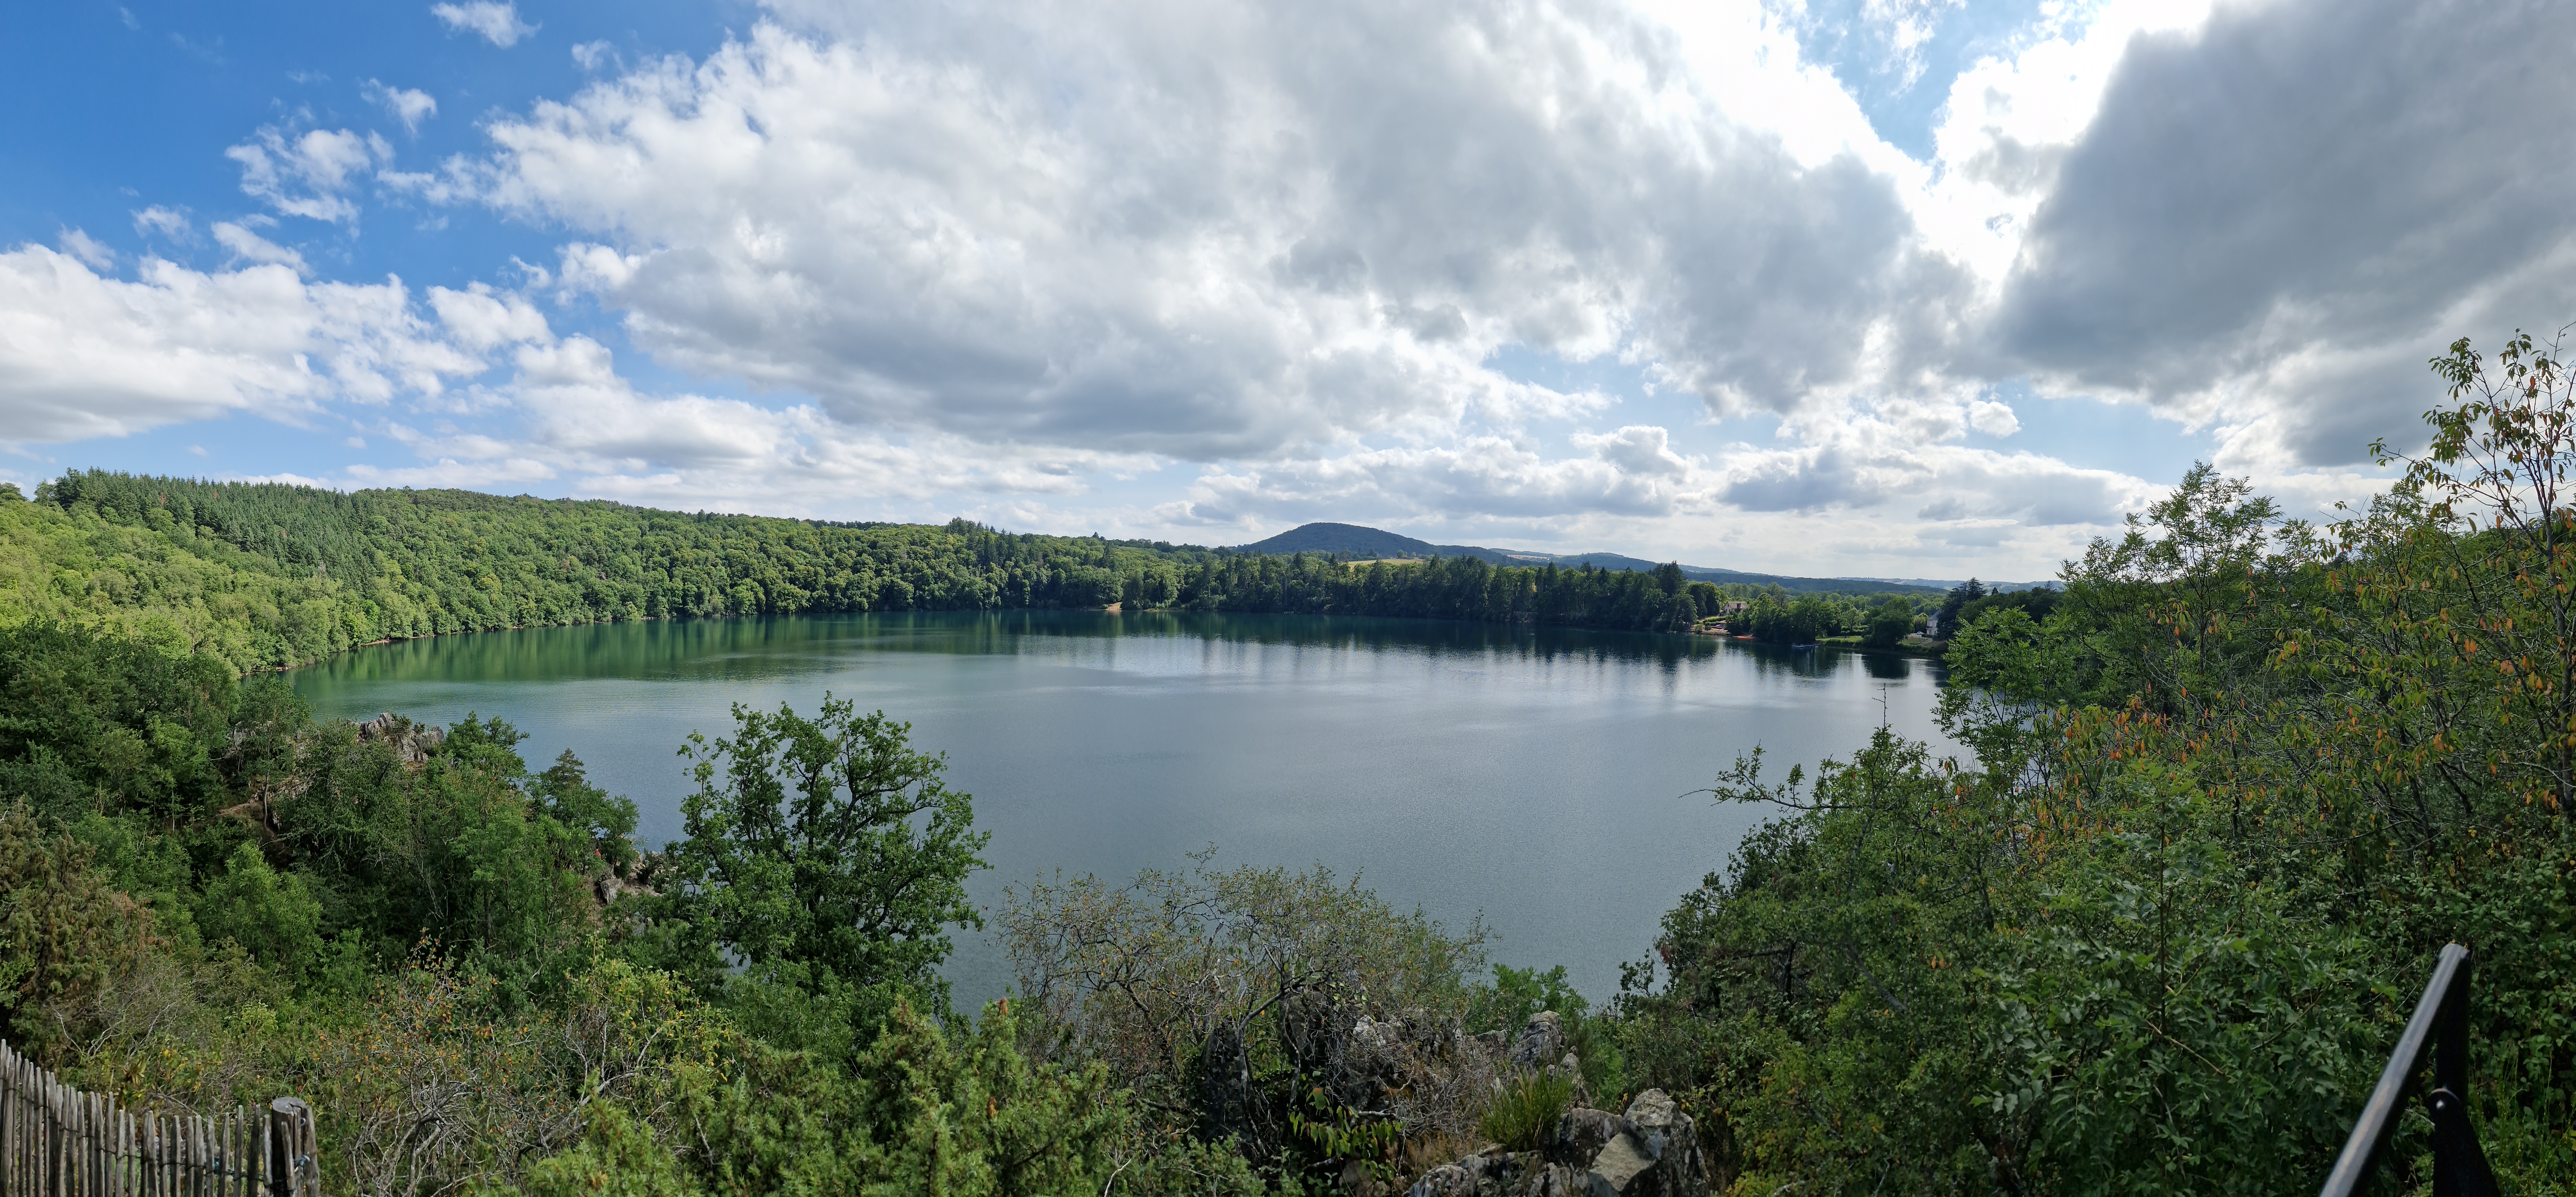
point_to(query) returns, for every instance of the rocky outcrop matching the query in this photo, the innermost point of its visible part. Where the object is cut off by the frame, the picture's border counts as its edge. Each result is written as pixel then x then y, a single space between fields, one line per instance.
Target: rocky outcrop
pixel 413 742
pixel 1651 1151
pixel 1541 1047
pixel 1541 1042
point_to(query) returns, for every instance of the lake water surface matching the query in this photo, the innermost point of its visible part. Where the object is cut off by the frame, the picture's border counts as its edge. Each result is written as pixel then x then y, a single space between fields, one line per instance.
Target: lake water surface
pixel 1538 777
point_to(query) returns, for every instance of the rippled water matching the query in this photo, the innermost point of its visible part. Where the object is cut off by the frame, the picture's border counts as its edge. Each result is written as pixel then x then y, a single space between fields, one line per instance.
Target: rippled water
pixel 1539 777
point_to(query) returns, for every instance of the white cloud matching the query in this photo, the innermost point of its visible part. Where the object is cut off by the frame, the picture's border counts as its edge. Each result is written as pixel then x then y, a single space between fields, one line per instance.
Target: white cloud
pixel 1632 472
pixel 1109 245
pixel 167 222
pixel 247 246
pixel 1992 418
pixel 568 417
pixel 408 105
pixel 497 23
pixel 480 319
pixel 83 355
pixel 87 248
pixel 307 175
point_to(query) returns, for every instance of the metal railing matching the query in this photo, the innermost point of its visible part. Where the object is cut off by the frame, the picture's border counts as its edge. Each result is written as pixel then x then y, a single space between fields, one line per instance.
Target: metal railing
pixel 2440 1028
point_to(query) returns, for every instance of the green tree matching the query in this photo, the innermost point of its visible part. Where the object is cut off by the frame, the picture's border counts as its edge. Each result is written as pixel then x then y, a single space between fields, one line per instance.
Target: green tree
pixel 823 845
pixel 272 915
pixel 1889 624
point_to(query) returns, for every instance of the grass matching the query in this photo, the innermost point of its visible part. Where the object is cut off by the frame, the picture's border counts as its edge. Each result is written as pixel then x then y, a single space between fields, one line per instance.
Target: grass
pixel 1527 1109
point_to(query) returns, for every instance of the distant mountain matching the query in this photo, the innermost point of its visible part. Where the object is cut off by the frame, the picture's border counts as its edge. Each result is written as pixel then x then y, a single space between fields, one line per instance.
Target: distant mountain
pixel 1356 541
pixel 1346 538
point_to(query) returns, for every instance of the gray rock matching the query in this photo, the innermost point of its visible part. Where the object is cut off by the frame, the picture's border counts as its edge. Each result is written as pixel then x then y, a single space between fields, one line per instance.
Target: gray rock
pixel 1447 1180
pixel 412 742
pixel 1541 1042
pixel 1652 1151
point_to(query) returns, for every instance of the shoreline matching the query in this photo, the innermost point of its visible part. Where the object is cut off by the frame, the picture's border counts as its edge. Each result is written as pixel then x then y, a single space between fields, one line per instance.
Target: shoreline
pixel 1111 609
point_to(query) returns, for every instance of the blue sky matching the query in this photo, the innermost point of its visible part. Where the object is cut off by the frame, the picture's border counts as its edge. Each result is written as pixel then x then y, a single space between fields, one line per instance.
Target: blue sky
pixel 1898 287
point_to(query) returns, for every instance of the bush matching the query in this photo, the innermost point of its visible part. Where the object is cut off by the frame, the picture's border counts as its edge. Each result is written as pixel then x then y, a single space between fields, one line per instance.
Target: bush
pixel 1225 999
pixel 272 915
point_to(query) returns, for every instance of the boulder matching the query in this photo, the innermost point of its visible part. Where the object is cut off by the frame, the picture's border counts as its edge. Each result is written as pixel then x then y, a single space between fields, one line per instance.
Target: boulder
pixel 1651 1151
pixel 1541 1042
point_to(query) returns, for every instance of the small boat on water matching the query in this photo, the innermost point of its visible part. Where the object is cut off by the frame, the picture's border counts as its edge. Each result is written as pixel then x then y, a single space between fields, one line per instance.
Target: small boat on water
pixel 1795 647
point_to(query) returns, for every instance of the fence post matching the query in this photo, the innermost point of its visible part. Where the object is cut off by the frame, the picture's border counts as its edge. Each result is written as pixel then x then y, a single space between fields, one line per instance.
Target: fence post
pixel 291 1150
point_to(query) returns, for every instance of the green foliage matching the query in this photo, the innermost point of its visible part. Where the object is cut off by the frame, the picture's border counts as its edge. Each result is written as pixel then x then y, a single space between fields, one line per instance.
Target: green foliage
pixel 263 575
pixel 1527 1110
pixel 1818 1011
pixel 111 724
pixel 1334 1133
pixel 452 847
pixel 1803 619
pixel 2234 785
pixel 1518 993
pixel 2170 1024
pixel 1223 999
pixel 62 930
pixel 272 915
pixel 825 846
pixel 617 1157
pixel 924 1111
pixel 1888 624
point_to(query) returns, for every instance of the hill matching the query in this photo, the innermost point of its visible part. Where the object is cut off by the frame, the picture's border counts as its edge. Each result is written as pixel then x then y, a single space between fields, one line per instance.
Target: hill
pixel 1349 540
pixel 1357 541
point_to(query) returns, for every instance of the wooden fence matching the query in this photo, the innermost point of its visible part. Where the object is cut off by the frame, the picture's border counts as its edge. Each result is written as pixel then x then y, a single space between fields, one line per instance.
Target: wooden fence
pixel 57 1141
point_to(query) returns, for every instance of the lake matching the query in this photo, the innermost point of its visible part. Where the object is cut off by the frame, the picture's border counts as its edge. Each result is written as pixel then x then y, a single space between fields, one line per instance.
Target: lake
pixel 1542 778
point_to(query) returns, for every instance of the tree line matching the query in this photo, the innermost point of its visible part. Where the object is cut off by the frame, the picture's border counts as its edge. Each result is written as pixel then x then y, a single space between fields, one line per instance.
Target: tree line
pixel 267 575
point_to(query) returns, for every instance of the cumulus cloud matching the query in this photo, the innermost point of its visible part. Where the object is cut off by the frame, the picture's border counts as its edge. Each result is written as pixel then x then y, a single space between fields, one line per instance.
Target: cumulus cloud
pixel 1063 226
pixel 84 355
pixel 167 222
pixel 593 55
pixel 566 415
pixel 408 105
pixel 247 246
pixel 91 252
pixel 307 175
pixel 1632 472
pixel 2273 219
pixel 480 319
pixel 497 23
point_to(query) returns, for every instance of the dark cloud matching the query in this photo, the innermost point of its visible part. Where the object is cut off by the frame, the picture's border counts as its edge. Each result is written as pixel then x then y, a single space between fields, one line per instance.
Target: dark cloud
pixel 2283 214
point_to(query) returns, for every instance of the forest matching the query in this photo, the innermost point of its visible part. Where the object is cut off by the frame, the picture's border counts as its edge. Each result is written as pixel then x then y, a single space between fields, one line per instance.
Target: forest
pixel 2227 793
pixel 266 576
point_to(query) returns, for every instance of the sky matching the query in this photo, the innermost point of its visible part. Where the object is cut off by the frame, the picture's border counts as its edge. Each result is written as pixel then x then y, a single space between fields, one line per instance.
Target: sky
pixel 1852 287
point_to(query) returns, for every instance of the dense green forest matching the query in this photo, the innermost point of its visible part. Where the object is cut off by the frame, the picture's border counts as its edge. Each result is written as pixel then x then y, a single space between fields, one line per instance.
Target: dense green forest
pixel 266 575
pixel 2230 789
